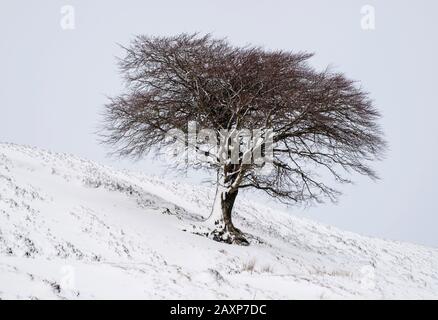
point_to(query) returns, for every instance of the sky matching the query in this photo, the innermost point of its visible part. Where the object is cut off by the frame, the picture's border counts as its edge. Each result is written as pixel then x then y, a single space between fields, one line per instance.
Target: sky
pixel 56 73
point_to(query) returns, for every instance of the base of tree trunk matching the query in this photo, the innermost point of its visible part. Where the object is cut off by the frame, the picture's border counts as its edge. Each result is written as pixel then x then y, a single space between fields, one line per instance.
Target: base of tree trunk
pixel 229 234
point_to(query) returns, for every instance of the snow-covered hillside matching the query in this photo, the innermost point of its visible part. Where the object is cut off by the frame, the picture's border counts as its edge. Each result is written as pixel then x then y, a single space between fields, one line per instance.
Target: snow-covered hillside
pixel 74 229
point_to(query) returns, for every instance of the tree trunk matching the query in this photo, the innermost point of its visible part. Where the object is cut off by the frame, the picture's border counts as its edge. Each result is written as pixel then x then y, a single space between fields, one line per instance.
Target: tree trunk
pixel 227 204
pixel 225 231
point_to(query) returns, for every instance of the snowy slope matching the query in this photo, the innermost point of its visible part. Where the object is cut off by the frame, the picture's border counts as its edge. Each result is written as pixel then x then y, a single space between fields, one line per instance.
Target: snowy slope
pixel 74 229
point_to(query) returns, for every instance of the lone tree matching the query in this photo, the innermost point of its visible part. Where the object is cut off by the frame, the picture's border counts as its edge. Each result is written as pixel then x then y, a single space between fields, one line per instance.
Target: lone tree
pixel 308 122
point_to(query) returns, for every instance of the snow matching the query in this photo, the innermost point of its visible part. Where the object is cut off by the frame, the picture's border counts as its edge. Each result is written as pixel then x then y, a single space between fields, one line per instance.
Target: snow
pixel 74 229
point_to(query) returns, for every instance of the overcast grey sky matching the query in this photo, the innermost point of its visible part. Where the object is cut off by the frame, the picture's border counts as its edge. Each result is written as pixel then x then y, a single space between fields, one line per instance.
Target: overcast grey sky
pixel 53 83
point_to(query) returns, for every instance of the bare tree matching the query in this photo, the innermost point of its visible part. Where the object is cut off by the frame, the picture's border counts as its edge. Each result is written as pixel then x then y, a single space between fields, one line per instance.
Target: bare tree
pixel 314 121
